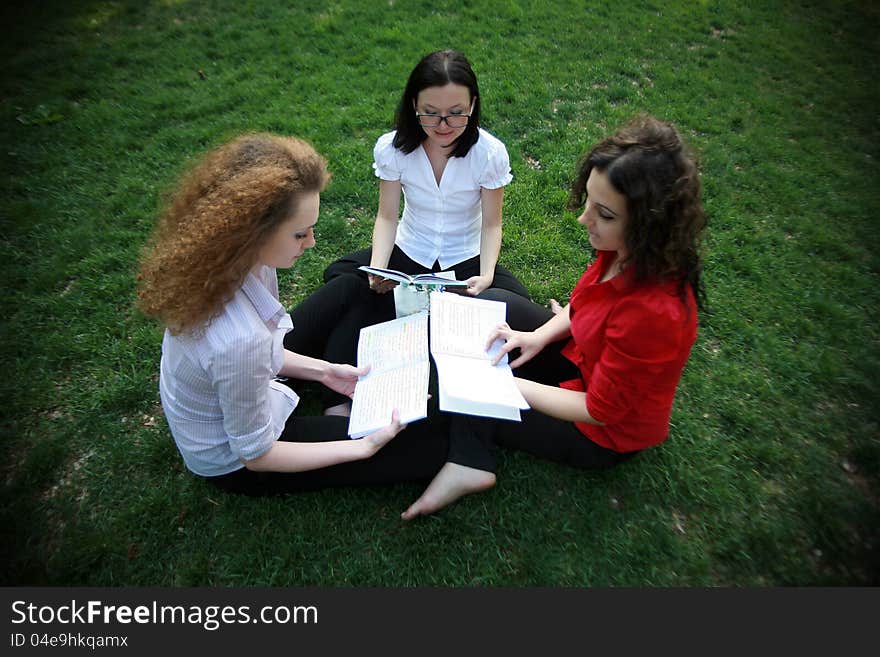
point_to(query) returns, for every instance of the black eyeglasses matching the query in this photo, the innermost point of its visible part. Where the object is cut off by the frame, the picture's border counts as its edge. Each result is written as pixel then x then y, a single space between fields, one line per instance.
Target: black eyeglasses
pixel 430 120
pixel 434 120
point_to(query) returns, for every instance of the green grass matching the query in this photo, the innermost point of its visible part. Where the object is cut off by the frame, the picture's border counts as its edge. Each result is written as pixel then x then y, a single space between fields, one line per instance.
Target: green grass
pixel 770 476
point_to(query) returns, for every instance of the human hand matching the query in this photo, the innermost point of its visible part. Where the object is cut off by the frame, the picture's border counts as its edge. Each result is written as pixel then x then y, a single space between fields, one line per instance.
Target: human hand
pixel 378 439
pixel 476 284
pixel 342 378
pixel 381 285
pixel 527 342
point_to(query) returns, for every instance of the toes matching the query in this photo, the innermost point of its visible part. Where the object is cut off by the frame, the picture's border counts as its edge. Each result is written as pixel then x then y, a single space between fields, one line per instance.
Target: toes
pixel 412 512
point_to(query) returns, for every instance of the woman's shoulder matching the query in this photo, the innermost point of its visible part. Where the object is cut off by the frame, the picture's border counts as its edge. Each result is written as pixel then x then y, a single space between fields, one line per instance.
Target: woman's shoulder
pixel 384 149
pixel 489 144
pixel 385 141
pixel 237 326
pixel 388 161
pixel 489 161
pixel 658 303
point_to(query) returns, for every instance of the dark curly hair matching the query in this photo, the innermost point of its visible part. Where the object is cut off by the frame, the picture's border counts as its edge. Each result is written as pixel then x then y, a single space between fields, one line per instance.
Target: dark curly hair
pixel 648 162
pixel 216 221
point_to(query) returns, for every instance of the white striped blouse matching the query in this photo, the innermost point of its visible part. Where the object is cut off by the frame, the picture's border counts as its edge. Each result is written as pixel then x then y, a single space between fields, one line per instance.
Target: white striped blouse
pixel 217 387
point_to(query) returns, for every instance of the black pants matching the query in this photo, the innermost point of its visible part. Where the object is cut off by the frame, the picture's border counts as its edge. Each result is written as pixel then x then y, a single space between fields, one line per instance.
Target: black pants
pixel 415 454
pixel 327 325
pixel 539 434
pixel 401 262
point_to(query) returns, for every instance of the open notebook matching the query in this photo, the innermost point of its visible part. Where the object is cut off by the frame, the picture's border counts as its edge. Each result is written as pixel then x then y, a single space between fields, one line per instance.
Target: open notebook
pixel 398 352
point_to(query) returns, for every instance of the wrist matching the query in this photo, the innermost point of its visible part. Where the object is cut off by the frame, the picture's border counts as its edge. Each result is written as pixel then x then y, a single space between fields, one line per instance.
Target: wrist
pixel 368 446
pixel 541 336
pixel 324 370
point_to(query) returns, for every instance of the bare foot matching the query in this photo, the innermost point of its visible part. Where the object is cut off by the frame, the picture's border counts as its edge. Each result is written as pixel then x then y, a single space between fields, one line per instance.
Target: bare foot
pixel 343 409
pixel 453 481
pixel 555 307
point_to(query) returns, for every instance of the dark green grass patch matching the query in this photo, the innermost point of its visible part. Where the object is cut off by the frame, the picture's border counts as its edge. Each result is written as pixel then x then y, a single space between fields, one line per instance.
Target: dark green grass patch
pixel 770 476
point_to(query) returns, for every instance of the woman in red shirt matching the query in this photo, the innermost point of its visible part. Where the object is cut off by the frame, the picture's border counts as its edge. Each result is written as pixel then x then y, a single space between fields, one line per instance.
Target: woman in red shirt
pixel 601 373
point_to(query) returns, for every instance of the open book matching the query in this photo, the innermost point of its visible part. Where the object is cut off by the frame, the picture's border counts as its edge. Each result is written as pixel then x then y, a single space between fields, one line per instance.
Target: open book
pixel 443 278
pixel 467 380
pixel 398 352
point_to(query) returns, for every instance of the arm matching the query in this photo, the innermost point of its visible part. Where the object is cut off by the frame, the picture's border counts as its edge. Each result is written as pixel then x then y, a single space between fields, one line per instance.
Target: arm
pixel 285 456
pixel 241 373
pixel 384 231
pixel 492 201
pixel 530 343
pixel 555 328
pixel 569 405
pixel 336 376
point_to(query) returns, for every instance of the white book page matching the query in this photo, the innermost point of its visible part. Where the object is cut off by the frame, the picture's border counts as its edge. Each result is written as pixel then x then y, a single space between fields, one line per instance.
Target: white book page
pixel 397 352
pixel 457 405
pixel 448 275
pixel 377 395
pixel 468 382
pixel 461 325
pixel 437 278
pixel 477 381
pixel 391 344
pixel 391 274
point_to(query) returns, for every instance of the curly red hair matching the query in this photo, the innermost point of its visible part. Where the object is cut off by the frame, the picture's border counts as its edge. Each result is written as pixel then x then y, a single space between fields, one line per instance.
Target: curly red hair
pixel 216 221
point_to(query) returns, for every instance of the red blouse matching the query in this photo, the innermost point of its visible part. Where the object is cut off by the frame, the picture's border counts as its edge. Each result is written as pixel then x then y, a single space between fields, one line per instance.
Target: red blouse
pixel 630 343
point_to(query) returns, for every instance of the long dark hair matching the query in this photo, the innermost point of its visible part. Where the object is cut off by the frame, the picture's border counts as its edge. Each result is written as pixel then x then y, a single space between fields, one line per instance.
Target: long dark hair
pixel 437 70
pixel 648 162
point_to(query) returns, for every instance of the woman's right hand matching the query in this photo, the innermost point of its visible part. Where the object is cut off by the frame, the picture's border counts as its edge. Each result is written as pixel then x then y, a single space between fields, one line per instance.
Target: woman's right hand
pixel 528 342
pixel 381 285
pixel 378 439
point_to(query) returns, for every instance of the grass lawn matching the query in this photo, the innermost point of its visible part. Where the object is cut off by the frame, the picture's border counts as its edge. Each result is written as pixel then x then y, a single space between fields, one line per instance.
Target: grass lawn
pixel 770 476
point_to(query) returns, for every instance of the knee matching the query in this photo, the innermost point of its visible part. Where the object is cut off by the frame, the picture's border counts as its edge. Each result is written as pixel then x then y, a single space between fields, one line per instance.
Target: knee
pixel 338 268
pixel 342 291
pixel 496 294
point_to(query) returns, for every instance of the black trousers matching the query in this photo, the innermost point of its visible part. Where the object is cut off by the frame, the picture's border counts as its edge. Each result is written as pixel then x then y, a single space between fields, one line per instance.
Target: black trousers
pixel 542 435
pixel 327 323
pixel 415 454
pixel 401 262
pixel 327 326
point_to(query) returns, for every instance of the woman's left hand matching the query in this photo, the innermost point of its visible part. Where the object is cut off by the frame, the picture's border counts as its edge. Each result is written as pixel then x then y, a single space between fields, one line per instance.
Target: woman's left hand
pixel 476 284
pixel 342 378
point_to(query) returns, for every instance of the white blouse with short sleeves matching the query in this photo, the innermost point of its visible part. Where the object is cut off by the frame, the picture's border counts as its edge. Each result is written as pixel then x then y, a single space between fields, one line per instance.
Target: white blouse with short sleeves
pixel 442 222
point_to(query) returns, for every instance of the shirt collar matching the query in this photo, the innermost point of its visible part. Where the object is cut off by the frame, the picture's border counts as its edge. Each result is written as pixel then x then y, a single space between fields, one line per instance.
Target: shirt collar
pixel 623 280
pixel 260 295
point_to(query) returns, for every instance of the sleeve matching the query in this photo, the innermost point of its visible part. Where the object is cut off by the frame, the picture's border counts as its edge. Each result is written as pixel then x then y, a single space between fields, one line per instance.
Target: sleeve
pixel 496 172
pixel 385 164
pixel 241 372
pixel 641 340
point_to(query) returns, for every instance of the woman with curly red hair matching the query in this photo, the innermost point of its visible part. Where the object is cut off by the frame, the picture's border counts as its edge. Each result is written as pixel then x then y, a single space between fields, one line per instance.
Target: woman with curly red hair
pixel 600 375
pixel 209 275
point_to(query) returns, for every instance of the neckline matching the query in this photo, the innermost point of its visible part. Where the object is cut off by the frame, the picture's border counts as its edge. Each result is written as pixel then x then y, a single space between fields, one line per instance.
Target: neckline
pixel 618 278
pixel 437 182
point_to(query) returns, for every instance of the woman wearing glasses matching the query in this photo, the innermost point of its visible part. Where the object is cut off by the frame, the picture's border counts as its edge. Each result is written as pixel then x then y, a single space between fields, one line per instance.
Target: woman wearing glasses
pixel 452 175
